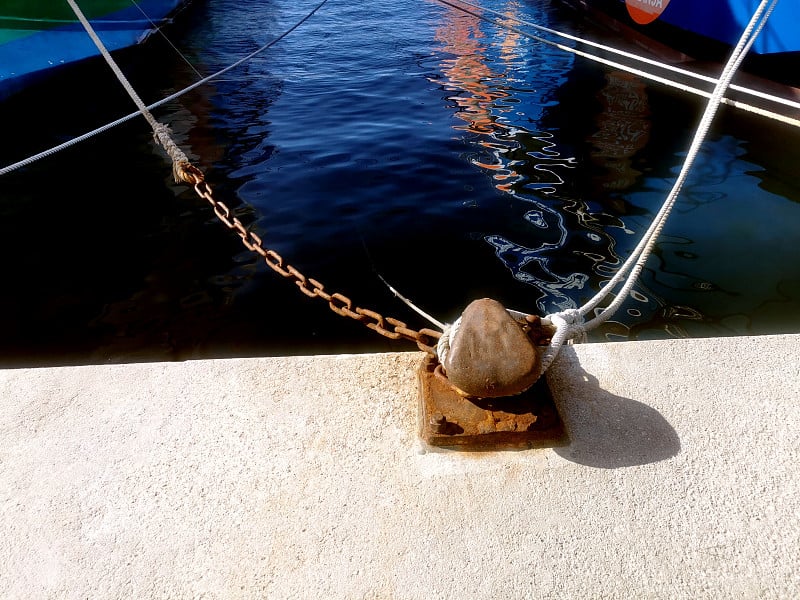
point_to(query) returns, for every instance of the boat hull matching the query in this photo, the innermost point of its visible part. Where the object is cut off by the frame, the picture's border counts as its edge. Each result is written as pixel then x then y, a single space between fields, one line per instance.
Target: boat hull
pixel 38 37
pixel 679 30
pixel 725 20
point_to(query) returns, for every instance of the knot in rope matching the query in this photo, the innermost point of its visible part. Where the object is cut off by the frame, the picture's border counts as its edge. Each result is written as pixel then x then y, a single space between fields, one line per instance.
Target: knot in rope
pixel 570 321
pixel 443 346
pixel 569 324
pixel 162 134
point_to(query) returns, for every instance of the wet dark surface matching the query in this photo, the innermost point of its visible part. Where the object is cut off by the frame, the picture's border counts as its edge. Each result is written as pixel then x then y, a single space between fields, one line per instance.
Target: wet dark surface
pixel 455 159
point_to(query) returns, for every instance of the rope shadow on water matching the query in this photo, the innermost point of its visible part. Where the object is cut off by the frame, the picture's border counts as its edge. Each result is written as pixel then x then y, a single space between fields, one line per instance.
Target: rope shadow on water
pixel 605 430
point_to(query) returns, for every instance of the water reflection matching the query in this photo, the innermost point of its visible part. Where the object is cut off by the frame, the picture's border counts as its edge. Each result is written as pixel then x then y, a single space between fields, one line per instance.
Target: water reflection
pixel 623 129
pixel 530 184
pixel 505 84
pixel 583 150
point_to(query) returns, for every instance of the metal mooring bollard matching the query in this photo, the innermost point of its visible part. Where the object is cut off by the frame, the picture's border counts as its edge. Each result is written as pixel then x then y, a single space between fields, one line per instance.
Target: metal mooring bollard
pixel 489 353
pixel 487 392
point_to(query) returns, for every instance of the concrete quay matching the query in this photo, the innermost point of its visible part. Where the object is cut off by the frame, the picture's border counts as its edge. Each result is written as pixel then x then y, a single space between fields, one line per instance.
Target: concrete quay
pixel 304 477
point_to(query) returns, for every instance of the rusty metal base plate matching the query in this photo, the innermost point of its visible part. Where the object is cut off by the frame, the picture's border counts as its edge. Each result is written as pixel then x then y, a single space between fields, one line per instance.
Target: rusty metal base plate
pixel 449 420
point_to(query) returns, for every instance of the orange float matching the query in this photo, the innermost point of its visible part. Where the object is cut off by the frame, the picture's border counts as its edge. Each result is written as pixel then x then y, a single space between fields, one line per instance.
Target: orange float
pixel 645 11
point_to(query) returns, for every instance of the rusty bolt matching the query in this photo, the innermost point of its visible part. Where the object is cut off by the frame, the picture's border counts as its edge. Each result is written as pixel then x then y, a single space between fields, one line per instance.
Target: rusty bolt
pixel 440 424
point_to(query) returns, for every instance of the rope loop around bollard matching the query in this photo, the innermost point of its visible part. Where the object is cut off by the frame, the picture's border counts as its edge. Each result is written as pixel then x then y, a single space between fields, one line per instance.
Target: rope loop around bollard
pixel 569 325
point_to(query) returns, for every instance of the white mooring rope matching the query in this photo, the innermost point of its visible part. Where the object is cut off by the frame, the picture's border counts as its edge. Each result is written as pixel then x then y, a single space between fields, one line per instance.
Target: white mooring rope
pixel 571 323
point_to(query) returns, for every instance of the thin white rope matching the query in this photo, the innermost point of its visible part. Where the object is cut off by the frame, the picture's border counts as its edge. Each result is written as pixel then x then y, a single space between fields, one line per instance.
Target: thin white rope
pixel 636 57
pixel 103 128
pixel 644 74
pixel 156 27
pixel 571 323
pixel 411 305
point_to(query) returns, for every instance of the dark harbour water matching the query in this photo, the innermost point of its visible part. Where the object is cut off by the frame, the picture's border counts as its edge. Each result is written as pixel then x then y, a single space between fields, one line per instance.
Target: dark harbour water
pixel 406 139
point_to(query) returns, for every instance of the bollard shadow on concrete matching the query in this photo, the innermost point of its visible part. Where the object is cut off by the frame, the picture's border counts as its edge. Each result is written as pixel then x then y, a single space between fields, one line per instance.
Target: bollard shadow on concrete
pixel 605 430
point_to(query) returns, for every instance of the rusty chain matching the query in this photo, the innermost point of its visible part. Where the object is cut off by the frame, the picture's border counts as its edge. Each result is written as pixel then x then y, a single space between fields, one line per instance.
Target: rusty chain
pixel 388 327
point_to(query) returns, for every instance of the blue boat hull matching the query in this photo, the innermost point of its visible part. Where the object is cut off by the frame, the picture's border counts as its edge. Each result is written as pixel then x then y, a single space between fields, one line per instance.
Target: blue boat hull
pixel 717 22
pixel 31 48
pixel 679 29
pixel 725 20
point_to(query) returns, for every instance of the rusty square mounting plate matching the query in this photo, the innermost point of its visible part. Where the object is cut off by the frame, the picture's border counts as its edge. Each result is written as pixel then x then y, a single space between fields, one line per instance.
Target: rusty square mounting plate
pixel 449 420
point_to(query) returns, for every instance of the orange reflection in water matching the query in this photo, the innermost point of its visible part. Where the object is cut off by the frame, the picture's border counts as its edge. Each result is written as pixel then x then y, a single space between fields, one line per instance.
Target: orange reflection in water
pixel 468 73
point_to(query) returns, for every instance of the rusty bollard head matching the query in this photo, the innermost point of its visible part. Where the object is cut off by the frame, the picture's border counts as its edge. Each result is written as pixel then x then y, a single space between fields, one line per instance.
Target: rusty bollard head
pixel 489 353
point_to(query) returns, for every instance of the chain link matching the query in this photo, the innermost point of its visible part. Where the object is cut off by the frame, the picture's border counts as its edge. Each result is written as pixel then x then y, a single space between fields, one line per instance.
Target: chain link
pixel 426 339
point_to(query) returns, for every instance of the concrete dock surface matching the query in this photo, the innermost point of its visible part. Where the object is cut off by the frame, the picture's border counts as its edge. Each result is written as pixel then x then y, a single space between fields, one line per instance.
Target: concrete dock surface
pixel 304 477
